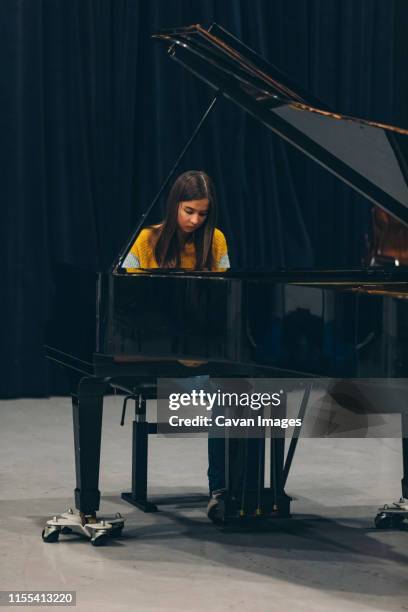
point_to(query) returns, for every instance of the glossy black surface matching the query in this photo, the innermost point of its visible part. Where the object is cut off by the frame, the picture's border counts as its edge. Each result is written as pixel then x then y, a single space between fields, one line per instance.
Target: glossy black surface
pixel 355 324
pixel 366 155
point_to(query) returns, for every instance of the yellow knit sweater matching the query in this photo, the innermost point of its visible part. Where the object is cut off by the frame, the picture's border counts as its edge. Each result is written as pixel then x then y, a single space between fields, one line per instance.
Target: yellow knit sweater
pixel 141 254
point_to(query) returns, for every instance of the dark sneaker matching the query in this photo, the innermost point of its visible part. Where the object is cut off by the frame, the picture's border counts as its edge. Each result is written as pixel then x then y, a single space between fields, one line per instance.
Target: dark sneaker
pixel 216 506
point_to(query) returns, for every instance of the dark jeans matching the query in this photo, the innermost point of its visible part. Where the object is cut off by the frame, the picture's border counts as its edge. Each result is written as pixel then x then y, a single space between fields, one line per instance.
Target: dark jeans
pixel 216 463
pixel 216 444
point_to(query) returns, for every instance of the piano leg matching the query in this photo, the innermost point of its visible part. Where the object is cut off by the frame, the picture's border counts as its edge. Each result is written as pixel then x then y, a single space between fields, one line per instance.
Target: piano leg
pixel 87 404
pixel 404 430
pixel 395 515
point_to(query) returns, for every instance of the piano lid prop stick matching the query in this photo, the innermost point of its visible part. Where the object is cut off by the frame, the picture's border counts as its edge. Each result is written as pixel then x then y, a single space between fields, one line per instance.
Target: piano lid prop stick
pixel 296 433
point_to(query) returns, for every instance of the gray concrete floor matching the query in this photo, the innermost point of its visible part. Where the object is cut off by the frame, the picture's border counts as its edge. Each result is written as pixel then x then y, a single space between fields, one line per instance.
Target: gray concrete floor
pixel 328 558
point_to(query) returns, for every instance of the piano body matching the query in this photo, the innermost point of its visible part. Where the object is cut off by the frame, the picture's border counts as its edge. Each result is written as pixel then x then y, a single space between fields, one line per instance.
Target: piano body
pixel 114 329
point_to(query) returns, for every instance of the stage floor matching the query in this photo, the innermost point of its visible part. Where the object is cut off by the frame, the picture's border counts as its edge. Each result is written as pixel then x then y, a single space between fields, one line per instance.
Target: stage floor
pixel 329 557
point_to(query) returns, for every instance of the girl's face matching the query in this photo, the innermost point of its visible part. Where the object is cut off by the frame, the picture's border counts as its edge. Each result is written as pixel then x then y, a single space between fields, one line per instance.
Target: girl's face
pixel 192 214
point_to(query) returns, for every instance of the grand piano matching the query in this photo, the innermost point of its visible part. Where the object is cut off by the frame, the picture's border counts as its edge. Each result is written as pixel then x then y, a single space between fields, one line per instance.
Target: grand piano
pixel 111 329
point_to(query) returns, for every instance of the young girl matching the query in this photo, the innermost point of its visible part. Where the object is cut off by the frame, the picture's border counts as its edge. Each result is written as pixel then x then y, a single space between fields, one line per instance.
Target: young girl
pixel 187 237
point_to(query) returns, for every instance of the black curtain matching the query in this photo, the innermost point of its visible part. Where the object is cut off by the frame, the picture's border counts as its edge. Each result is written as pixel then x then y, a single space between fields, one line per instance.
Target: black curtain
pixel 93 114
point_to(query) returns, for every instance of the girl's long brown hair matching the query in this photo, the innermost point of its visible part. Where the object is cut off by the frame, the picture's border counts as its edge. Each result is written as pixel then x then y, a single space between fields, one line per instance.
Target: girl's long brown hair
pixel 191 185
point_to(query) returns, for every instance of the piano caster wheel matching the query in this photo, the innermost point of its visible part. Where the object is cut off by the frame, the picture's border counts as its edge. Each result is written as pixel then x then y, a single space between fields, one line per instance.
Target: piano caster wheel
pixel 116 533
pixel 388 520
pixel 383 521
pixel 397 521
pixel 100 538
pixel 50 534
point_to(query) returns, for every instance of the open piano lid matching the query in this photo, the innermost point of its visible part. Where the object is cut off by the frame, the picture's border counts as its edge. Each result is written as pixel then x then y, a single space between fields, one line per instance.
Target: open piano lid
pixel 364 154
